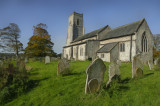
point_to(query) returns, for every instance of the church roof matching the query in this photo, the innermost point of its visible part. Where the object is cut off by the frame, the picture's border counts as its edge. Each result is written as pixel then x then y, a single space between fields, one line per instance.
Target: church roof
pixel 91 34
pixel 107 47
pixel 123 30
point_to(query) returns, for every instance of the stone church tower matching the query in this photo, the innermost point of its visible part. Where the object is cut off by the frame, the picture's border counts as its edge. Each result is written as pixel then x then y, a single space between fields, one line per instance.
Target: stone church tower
pixel 75 27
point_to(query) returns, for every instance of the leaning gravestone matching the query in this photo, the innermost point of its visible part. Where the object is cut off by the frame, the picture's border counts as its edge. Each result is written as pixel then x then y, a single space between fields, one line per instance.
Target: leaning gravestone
pixel 63 67
pixel 136 65
pixel 150 64
pixel 113 72
pixel 95 76
pixel 47 59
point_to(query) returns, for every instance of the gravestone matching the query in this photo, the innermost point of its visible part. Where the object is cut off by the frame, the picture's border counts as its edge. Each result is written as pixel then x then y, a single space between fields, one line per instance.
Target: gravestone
pixel 53 59
pixel 21 65
pixel 139 73
pixel 113 72
pixel 158 62
pixel 47 60
pixel 93 85
pixel 1 63
pixel 63 67
pixel 136 64
pixel 150 64
pixel 119 62
pixel 26 60
pixel 95 76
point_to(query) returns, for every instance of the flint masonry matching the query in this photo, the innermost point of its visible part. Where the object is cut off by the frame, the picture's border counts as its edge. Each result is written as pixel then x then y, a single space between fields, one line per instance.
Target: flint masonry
pixel 121 43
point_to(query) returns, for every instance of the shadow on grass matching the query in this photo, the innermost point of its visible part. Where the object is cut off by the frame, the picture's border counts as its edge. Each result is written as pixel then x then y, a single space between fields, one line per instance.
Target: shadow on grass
pixel 34 71
pixel 70 74
pixel 126 80
pixel 148 74
pixel 33 83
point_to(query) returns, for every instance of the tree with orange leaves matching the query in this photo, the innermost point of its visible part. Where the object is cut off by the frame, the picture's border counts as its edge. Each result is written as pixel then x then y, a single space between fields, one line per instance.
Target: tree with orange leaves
pixel 40 43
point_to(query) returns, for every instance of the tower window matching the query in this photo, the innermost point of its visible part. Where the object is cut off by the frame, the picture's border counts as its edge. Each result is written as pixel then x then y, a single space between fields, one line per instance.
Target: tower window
pixel 144 43
pixel 77 21
pixel 122 47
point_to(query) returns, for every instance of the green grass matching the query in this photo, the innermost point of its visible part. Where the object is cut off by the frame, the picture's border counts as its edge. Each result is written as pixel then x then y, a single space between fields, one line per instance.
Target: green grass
pixel 53 90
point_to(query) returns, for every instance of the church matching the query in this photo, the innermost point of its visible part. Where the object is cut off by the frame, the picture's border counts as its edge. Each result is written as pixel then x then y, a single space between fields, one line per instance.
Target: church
pixel 109 44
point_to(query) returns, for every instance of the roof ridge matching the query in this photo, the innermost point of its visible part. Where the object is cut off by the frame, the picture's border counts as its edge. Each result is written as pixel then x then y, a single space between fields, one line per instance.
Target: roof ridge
pixel 126 25
pixel 99 30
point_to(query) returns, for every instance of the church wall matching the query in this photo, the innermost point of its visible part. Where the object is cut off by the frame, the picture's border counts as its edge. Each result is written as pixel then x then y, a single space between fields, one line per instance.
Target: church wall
pixel 83 56
pixel 133 48
pixel 67 53
pixel 125 56
pixel 145 56
pixel 92 47
pixel 75 52
pixel 114 53
pixel 106 57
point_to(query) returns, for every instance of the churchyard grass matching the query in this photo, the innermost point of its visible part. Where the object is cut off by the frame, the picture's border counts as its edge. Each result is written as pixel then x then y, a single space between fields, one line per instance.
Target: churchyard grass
pixel 53 90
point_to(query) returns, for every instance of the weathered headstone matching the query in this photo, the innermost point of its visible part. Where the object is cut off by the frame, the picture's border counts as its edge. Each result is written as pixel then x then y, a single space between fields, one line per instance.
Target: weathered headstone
pixel 113 71
pixel 136 64
pixel 119 62
pixel 47 60
pixel 158 62
pixel 93 85
pixel 21 65
pixel 26 60
pixel 139 73
pixel 63 67
pixel 95 73
pixel 54 58
pixel 150 64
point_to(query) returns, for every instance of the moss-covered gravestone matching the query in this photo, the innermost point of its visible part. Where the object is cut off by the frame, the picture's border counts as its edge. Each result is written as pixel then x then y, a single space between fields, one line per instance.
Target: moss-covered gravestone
pixel 63 67
pixel 95 76
pixel 113 72
pixel 139 73
pixel 136 64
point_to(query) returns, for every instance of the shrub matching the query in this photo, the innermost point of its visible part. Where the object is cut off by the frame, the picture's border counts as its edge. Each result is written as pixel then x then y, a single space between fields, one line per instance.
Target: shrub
pixel 13 81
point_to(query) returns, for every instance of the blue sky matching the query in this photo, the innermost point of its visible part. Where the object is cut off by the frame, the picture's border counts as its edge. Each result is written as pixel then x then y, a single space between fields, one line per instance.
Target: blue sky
pixel 97 13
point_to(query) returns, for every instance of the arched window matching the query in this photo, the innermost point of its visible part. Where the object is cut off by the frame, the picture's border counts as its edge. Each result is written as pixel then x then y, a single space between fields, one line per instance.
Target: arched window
pixel 144 43
pixel 77 21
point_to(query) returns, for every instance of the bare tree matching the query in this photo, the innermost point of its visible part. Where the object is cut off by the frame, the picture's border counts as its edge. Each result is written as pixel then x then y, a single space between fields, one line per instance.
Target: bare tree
pixel 10 36
pixel 156 41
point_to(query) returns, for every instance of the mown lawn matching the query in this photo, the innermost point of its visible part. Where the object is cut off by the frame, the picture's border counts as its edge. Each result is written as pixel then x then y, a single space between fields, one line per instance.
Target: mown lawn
pixel 52 90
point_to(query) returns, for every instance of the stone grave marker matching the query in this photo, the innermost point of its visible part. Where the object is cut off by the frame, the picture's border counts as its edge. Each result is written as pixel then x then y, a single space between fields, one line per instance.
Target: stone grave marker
pixel 136 64
pixel 63 67
pixel 150 64
pixel 158 62
pixel 26 60
pixel 47 60
pixel 119 62
pixel 95 76
pixel 139 73
pixel 113 72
